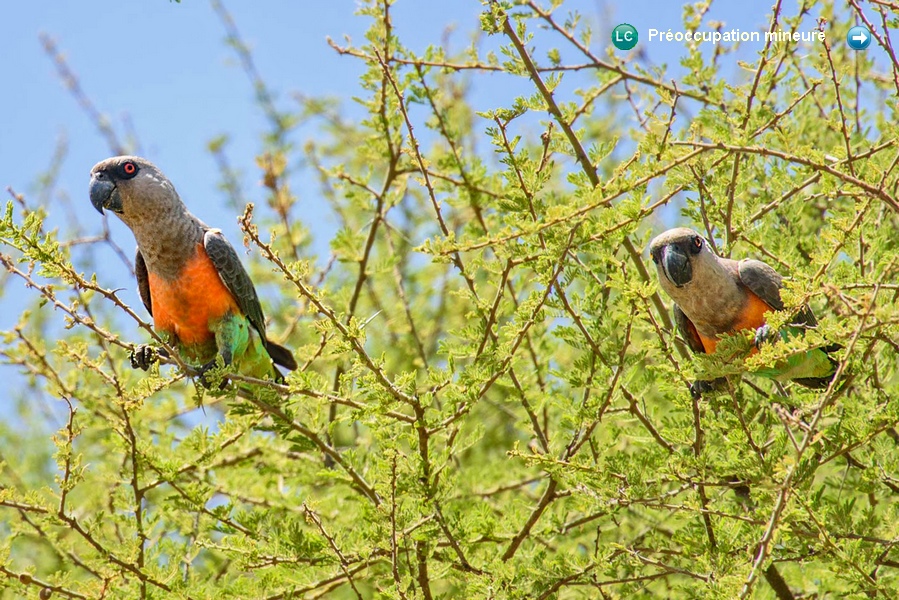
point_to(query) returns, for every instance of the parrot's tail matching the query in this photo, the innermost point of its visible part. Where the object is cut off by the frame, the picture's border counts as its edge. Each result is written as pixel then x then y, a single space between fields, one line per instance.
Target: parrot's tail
pixel 819 383
pixel 281 355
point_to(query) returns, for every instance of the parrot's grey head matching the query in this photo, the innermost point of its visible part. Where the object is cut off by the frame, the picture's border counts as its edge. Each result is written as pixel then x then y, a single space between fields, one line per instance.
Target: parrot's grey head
pixel 680 255
pixel 132 187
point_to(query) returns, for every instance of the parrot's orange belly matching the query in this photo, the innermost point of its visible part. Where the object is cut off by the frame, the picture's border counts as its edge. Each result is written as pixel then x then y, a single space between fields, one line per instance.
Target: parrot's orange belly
pixel 752 317
pixel 186 306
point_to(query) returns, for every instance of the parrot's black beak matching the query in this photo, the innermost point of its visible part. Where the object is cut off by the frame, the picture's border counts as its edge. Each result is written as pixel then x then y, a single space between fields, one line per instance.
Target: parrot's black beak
pixel 676 264
pixel 104 193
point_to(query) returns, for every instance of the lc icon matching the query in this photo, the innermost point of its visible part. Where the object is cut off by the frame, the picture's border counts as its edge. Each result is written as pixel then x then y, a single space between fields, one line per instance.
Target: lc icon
pixel 624 37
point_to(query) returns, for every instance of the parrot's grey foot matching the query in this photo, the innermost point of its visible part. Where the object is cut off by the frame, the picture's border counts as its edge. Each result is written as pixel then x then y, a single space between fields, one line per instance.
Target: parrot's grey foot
pixel 203 370
pixel 144 355
pixel 741 491
pixel 764 335
pixel 701 386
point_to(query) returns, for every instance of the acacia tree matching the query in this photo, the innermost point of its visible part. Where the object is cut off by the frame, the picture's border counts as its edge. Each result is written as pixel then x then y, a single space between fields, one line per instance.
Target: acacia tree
pixel 492 400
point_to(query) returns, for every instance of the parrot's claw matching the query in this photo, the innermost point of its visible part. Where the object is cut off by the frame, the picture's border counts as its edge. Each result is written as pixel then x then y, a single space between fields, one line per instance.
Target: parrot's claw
pixel 702 386
pixel 144 355
pixel 698 388
pixel 201 375
pixel 764 335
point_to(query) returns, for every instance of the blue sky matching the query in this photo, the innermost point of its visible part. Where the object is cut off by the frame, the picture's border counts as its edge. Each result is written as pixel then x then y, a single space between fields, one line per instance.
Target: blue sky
pixel 162 70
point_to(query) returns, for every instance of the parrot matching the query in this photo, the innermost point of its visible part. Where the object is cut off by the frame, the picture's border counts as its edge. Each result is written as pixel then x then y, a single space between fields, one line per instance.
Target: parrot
pixel 189 276
pixel 715 296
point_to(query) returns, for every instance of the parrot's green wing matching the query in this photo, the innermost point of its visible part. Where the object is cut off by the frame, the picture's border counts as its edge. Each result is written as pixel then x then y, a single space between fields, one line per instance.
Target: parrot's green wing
pixel 238 282
pixel 814 368
pixel 687 330
pixel 143 281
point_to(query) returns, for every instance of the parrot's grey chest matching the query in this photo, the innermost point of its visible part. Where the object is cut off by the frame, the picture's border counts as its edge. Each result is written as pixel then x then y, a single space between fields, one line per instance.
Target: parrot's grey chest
pixel 712 309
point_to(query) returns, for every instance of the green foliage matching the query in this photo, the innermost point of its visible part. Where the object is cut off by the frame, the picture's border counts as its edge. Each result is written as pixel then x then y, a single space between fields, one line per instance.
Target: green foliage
pixel 492 400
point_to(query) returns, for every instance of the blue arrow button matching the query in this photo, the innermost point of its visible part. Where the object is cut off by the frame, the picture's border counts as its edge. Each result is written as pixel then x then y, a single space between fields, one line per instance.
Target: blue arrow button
pixel 859 38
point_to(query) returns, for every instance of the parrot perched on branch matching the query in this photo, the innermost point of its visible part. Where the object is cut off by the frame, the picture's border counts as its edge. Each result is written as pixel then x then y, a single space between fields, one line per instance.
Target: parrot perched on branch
pixel 716 296
pixel 188 275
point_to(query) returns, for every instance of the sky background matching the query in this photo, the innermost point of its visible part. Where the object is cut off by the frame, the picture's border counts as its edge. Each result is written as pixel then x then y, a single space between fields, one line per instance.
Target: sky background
pixel 161 72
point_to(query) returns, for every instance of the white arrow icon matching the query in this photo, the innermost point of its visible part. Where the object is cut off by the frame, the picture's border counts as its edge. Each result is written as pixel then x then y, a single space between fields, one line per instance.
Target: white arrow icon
pixel 860 37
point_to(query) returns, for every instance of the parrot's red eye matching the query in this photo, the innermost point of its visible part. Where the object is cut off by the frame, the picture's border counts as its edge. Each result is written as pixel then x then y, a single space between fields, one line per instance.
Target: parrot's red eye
pixel 129 169
pixel 697 245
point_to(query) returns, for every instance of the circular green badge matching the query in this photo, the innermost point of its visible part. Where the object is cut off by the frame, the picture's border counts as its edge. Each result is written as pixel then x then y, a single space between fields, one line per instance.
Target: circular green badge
pixel 624 37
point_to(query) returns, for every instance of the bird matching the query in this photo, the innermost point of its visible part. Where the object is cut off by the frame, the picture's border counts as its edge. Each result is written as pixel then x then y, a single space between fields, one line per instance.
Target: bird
pixel 715 296
pixel 189 276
